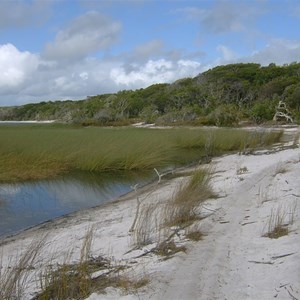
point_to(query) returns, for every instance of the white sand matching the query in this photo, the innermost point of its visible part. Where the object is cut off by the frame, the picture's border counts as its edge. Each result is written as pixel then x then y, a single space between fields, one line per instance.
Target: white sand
pixel 233 261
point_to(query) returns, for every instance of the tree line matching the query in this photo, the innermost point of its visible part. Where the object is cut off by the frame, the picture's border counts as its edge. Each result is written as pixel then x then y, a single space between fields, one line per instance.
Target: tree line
pixel 224 96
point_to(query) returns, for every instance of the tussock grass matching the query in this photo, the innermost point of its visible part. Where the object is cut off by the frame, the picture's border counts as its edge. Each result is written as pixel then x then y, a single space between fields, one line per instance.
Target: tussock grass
pixel 182 209
pixel 35 152
pixel 71 281
pixel 277 226
pixel 90 274
pixel 147 225
pixel 196 235
pixel 14 278
pixel 168 248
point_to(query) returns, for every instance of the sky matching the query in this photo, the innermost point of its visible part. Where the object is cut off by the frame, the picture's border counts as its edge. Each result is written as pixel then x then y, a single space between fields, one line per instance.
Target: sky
pixel 71 49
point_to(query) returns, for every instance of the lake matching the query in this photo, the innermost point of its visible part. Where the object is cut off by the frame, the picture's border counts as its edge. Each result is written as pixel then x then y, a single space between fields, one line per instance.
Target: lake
pixel 23 205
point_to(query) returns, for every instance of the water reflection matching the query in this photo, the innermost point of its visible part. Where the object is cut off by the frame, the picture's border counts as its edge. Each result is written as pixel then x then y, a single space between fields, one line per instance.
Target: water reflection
pixel 27 204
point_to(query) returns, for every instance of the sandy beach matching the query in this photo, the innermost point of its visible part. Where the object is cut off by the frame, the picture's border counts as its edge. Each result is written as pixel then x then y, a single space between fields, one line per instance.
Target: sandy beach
pixel 235 259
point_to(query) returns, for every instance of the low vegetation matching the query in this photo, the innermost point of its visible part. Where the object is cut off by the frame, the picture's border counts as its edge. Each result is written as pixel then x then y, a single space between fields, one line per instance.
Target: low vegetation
pixel 14 275
pixel 280 219
pixel 195 235
pixel 37 152
pixel 277 225
pixel 168 248
pixel 183 209
pixel 66 280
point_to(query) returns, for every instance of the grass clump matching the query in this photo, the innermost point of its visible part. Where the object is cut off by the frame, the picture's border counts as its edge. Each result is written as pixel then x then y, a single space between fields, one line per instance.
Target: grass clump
pixel 168 248
pixel 182 209
pixel 88 275
pixel 77 281
pixel 14 279
pixel 70 281
pixel 277 232
pixel 146 225
pixel 276 224
pixel 195 235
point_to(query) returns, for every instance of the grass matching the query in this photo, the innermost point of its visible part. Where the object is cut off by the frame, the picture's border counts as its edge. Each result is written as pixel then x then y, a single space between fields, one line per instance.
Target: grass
pixel 196 235
pixel 153 221
pixel 36 152
pixel 75 280
pixel 88 275
pixel 146 225
pixel 183 209
pixel 168 248
pixel 14 278
pixel 276 224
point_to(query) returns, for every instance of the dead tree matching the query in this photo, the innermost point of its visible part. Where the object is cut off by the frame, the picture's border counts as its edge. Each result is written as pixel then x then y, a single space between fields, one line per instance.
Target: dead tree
pixel 282 113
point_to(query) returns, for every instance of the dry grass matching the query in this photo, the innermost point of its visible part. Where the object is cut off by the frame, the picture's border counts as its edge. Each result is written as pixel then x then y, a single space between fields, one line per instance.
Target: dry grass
pixel 80 279
pixel 70 281
pixel 277 225
pixel 183 209
pixel 196 235
pixel 168 248
pixel 14 279
pixel 147 224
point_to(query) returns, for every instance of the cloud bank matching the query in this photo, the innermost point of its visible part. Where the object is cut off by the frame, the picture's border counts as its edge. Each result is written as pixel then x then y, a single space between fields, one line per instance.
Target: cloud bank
pixel 85 56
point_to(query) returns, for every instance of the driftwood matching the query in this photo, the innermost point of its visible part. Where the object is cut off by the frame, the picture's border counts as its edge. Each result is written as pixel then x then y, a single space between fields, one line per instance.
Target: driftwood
pixel 282 113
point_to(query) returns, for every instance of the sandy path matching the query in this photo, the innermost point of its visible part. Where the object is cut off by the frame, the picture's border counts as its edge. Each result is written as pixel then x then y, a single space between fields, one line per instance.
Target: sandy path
pixel 234 261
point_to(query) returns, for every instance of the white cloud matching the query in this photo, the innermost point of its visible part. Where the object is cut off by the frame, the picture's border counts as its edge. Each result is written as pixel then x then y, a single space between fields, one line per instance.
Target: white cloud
pixel 279 51
pixel 27 77
pixel 86 34
pixel 84 75
pixel 154 71
pixel 15 67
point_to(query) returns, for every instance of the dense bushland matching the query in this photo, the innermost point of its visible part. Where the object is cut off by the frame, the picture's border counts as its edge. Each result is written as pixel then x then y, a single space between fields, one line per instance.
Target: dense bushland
pixel 224 96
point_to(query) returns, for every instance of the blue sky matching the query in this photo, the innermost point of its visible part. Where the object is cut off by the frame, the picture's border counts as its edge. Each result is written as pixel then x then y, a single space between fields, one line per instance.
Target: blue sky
pixel 70 49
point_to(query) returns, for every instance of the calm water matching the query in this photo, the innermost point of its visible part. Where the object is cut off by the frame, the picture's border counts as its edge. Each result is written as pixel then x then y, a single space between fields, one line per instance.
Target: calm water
pixel 24 205
pixel 27 204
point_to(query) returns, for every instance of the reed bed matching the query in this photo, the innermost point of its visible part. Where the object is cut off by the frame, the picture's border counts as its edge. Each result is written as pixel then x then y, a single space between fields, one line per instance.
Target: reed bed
pixel 36 152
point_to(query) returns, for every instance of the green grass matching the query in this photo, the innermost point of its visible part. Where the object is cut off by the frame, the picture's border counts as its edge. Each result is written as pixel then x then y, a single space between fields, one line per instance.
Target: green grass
pixel 36 152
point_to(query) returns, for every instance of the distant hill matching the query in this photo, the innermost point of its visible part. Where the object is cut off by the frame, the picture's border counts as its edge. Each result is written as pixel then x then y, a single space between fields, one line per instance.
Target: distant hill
pixel 224 96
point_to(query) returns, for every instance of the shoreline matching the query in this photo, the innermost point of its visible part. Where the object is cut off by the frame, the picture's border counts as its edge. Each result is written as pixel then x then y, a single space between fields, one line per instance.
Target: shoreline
pixel 233 260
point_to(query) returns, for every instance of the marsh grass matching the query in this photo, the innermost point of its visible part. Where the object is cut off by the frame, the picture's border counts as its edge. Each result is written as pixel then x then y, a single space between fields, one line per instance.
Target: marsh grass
pixel 35 152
